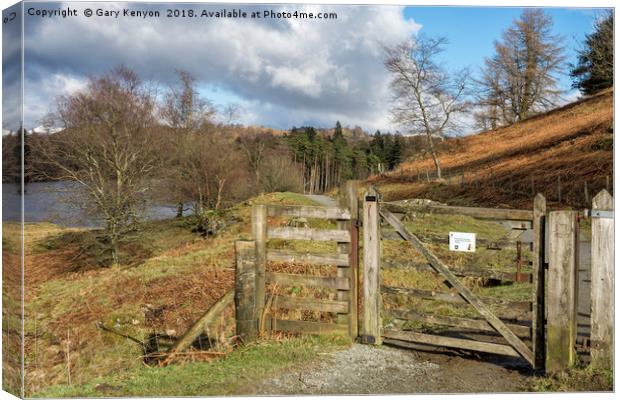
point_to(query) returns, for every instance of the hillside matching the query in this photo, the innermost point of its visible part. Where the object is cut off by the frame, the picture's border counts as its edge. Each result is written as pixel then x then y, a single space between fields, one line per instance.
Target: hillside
pixel 571 146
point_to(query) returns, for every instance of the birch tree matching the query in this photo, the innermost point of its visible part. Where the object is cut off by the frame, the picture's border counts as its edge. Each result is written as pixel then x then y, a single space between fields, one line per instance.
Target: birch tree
pixel 426 99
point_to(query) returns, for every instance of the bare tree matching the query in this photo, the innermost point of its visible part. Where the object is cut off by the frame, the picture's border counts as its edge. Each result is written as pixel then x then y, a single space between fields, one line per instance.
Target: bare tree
pixel 255 146
pixel 108 148
pixel 231 113
pixel 211 163
pixel 426 99
pixel 520 80
pixel 183 107
pixel 186 113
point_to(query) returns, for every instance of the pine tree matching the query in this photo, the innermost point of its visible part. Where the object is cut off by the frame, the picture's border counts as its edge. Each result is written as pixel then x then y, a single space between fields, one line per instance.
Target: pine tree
pixel 595 67
pixel 520 80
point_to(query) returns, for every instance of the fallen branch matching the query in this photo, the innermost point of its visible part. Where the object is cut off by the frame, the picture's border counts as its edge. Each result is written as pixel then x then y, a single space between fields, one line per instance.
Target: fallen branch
pixel 119 333
pixel 199 327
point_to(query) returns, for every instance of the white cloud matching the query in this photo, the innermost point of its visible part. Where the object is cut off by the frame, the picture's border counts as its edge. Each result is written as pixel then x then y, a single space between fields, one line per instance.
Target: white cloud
pixel 285 70
pixel 40 96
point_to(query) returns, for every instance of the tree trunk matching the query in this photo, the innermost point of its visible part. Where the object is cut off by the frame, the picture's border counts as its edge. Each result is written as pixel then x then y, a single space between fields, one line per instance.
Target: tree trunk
pixel 431 147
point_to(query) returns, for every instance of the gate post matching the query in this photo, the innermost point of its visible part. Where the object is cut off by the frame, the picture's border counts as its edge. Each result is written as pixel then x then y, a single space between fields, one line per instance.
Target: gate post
pixel 602 286
pixel 538 281
pixel 372 264
pixel 562 290
pixel 259 232
pixel 245 291
pixel 348 199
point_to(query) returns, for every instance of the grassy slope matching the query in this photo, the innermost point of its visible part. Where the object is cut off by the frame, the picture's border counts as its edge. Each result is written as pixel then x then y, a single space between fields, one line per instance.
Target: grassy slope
pixel 574 143
pixel 172 269
pixel 184 274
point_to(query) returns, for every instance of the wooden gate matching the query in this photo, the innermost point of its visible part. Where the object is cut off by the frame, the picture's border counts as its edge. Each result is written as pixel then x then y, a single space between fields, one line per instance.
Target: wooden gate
pixel 437 324
pixel 318 297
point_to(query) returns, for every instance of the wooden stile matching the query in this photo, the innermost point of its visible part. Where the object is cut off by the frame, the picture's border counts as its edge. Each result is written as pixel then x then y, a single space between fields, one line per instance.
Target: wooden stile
pixel 562 291
pixel 602 286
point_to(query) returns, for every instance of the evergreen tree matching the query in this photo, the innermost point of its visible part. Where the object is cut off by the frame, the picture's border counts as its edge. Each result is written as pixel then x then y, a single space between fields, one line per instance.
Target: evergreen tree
pixel 395 156
pixel 595 67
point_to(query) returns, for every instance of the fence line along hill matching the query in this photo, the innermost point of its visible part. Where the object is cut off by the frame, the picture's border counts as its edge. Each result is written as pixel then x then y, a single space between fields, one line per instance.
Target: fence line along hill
pixel 566 154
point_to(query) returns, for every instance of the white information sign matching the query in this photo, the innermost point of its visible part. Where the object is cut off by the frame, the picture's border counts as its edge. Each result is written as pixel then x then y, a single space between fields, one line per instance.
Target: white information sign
pixel 463 241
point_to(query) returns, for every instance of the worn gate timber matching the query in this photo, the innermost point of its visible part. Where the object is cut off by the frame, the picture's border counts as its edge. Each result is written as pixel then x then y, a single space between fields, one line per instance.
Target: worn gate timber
pixel 304 279
pixel 321 295
pixel 435 317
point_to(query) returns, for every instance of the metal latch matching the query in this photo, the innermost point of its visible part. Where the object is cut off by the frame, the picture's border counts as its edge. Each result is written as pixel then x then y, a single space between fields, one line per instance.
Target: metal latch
pixel 599 214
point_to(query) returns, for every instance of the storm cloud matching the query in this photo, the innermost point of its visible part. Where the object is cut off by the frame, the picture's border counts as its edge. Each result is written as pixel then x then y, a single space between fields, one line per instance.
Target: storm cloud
pixel 284 72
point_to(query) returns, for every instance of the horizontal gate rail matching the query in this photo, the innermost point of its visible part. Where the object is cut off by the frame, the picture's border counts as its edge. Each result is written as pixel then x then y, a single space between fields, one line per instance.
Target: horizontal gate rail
pixel 307 280
pixel 455 297
pixel 391 234
pixel 307 327
pixel 339 213
pixel 522 331
pixel 264 306
pixel 516 343
pixel 310 303
pixel 483 213
pixel 290 256
pixel 331 235
pixel 445 341
pixel 473 271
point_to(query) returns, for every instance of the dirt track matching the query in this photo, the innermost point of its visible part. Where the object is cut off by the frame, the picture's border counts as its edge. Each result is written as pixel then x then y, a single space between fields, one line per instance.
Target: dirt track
pixel 389 370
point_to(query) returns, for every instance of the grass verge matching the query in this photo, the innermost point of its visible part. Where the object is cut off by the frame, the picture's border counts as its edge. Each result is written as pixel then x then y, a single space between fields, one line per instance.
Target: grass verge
pixel 578 379
pixel 233 374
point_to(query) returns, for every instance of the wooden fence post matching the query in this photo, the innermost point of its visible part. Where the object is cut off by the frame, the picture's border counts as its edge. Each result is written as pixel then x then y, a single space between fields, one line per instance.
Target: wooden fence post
pixel 259 232
pixel 245 291
pixel 372 264
pixel 538 281
pixel 562 290
pixel 348 199
pixel 602 286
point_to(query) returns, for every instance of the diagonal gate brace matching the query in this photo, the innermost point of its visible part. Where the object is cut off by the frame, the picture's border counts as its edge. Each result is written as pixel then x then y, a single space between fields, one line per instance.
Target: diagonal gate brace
pixel 463 290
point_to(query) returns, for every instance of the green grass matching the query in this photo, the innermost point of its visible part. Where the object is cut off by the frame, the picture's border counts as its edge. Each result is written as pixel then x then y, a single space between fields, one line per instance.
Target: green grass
pixel 165 255
pixel 233 374
pixel 438 225
pixel 577 379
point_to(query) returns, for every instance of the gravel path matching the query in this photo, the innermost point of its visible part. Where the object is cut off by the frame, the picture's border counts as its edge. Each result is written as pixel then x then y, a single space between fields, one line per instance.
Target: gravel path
pixel 387 370
pixel 322 200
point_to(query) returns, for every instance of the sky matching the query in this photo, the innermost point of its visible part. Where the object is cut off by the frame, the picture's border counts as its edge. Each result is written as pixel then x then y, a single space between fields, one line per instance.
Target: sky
pixel 282 72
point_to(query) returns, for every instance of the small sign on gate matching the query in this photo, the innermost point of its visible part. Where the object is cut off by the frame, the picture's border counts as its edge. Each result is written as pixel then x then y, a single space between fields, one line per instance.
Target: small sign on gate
pixel 463 241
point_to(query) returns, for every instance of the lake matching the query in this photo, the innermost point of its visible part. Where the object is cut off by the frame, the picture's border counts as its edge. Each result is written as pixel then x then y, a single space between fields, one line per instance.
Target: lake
pixel 43 202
